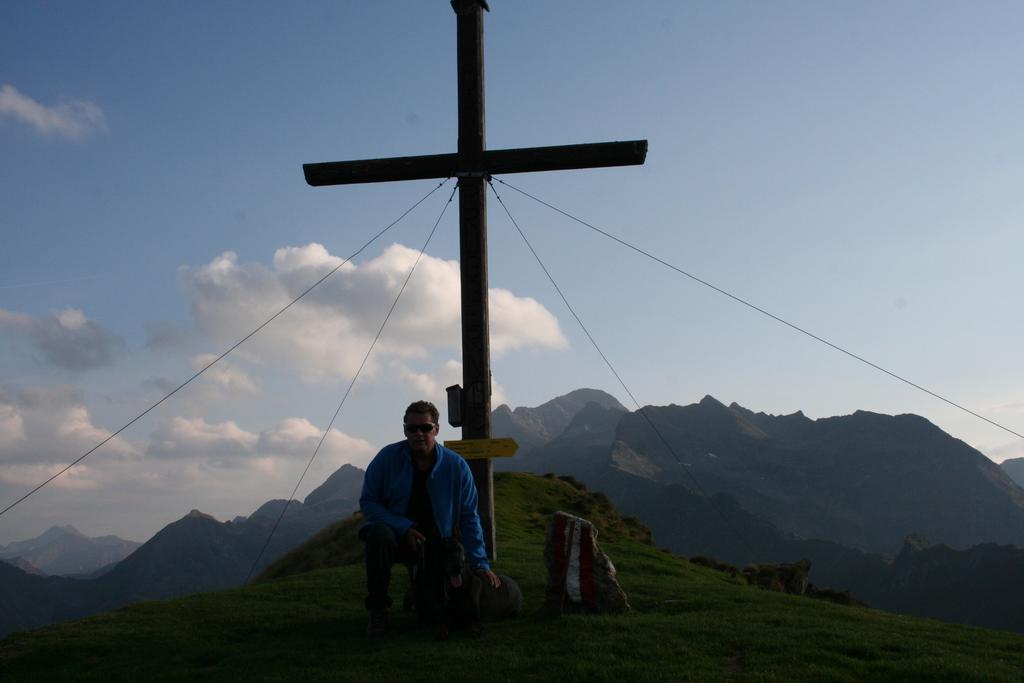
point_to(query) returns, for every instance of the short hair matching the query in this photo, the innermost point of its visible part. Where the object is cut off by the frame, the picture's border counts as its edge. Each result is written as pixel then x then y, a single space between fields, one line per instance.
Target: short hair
pixel 422 408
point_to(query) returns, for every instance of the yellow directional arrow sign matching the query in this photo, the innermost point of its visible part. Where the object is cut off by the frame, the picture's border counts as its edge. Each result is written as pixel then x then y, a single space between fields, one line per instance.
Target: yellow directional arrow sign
pixel 484 448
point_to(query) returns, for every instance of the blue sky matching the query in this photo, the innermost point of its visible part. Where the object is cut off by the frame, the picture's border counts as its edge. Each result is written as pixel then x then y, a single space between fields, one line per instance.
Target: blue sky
pixel 853 168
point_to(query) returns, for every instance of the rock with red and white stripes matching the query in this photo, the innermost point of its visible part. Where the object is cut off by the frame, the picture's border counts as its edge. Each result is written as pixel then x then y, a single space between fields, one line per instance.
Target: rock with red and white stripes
pixel 581 578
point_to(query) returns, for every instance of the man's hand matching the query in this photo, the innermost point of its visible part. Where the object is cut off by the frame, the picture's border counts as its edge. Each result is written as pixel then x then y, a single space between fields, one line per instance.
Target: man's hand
pixel 489 575
pixel 413 538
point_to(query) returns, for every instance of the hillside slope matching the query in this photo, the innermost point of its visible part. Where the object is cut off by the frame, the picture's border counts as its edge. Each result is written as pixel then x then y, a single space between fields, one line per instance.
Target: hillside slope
pixel 687 623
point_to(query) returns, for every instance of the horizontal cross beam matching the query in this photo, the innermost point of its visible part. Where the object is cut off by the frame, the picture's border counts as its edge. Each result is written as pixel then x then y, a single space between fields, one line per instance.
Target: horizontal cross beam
pixel 493 162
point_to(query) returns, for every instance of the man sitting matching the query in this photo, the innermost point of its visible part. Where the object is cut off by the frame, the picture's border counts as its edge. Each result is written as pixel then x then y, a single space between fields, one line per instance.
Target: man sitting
pixel 414 489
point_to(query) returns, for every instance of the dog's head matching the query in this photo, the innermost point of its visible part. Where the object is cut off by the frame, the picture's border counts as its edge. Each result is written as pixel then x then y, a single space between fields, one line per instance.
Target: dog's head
pixel 454 562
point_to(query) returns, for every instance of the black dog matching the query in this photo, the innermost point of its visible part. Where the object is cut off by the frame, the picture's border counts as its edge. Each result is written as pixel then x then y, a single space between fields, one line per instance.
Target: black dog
pixel 470 598
pixel 448 594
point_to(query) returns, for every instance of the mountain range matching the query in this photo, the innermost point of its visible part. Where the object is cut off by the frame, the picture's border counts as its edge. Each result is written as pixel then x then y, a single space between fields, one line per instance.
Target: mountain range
pixel 66 551
pixel 855 494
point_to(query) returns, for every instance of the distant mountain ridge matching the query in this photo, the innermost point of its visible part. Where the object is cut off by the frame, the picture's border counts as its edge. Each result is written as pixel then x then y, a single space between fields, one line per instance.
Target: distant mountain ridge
pixel 64 550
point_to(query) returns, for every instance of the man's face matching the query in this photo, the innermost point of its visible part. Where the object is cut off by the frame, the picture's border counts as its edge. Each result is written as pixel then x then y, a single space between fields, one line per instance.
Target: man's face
pixel 420 442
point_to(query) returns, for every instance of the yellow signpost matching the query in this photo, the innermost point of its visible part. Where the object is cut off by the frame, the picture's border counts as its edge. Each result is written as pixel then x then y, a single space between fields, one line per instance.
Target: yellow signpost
pixel 471 449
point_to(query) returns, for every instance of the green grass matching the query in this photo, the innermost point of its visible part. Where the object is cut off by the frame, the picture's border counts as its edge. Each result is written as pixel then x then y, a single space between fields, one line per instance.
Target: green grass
pixel 687 623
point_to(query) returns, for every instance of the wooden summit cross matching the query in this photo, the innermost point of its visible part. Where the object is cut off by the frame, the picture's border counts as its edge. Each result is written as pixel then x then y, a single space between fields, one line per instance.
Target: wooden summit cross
pixel 473 165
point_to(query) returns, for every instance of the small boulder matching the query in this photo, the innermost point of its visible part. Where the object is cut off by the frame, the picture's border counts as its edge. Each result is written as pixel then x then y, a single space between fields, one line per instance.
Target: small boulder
pixel 581 578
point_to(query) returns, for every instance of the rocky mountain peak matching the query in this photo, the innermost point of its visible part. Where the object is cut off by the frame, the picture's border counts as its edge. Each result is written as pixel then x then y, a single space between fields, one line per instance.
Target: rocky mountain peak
pixel 710 402
pixel 532 427
pixel 198 514
pixel 344 484
pixel 59 531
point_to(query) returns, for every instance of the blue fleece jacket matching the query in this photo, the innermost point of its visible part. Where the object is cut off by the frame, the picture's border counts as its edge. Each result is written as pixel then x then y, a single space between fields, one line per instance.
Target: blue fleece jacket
pixel 387 487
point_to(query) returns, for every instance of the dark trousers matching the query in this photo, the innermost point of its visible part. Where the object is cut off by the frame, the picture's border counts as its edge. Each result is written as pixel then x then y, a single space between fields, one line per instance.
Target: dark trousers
pixel 383 550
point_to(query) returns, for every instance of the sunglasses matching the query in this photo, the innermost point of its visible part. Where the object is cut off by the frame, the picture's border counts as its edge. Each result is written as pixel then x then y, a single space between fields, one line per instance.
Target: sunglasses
pixel 423 428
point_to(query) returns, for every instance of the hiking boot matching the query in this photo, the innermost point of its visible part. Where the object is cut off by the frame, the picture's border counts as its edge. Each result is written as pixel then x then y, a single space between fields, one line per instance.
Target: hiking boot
pixel 378 623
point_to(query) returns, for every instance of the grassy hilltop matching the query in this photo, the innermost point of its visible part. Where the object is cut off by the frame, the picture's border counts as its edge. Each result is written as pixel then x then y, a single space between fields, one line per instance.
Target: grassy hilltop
pixel 687 623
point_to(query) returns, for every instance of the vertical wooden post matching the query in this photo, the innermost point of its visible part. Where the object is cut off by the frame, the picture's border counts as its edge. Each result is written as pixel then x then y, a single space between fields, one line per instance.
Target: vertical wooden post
pixel 471 165
pixel 476 346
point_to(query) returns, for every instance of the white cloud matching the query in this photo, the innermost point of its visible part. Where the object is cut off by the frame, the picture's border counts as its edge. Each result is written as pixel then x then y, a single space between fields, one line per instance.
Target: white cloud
pixel 67 339
pixel 12 425
pixel 43 426
pixel 225 374
pixel 78 478
pixel 70 318
pixel 342 448
pixel 307 260
pixel 227 444
pixel 69 118
pixel 512 315
pixel 289 435
pixel 326 335
pixel 452 372
pixel 425 384
pixel 194 437
pixel 78 426
pixel 297 437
